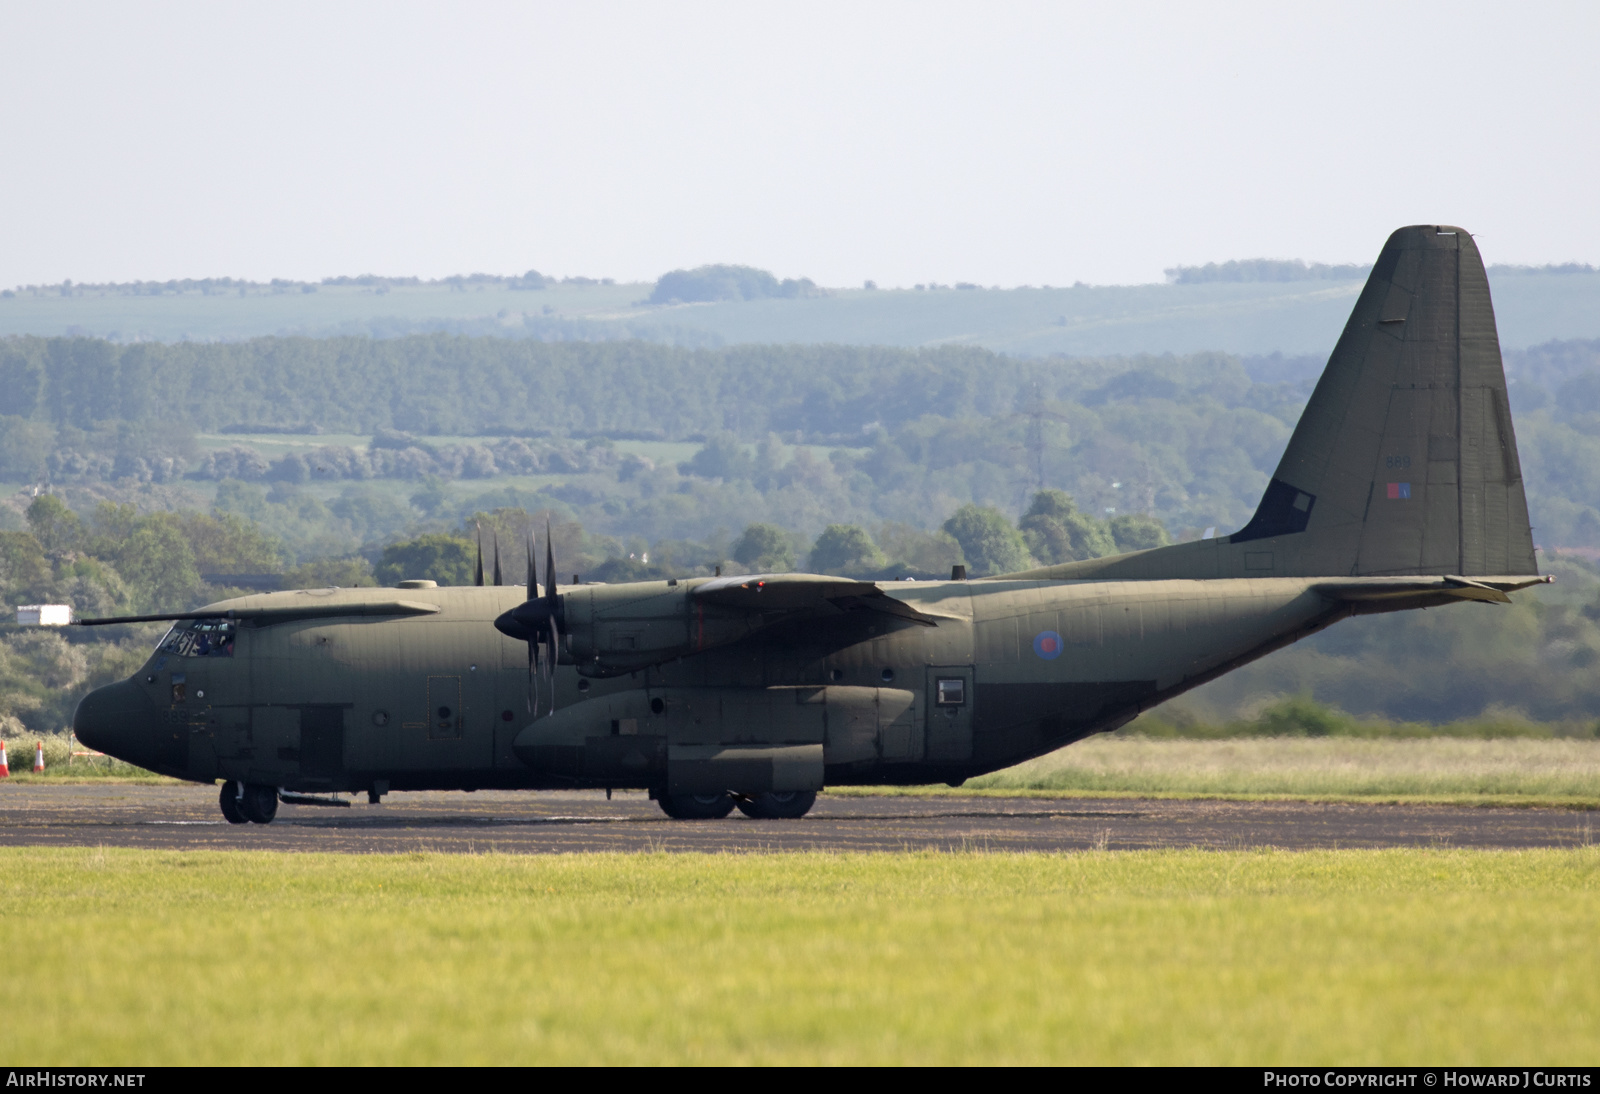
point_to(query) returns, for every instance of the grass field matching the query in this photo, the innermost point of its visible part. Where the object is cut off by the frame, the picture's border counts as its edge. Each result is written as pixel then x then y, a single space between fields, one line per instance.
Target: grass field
pixel 133 957
pixel 1512 770
pixel 1550 770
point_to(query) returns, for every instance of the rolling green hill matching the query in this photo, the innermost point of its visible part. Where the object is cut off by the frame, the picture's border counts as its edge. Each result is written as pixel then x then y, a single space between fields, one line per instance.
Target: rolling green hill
pixel 1242 317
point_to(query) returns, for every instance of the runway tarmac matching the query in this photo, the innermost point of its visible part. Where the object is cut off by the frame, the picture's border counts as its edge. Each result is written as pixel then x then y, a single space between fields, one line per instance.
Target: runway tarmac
pixel 187 818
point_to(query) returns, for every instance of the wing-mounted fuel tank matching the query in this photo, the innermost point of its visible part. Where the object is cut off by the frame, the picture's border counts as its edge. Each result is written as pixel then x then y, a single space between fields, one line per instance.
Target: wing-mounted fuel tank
pixel 609 630
pixel 692 740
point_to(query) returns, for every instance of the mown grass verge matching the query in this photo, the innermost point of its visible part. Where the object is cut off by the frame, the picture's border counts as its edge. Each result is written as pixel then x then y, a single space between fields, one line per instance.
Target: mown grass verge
pixel 1564 771
pixel 1302 716
pixel 141 957
pixel 968 792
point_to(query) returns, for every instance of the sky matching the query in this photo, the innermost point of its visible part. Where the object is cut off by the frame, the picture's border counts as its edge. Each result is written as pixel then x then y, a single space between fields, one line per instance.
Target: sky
pixel 998 143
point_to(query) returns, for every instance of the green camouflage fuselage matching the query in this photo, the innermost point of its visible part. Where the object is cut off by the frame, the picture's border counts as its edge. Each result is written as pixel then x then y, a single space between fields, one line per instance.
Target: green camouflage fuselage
pixel 347 703
pixel 1400 488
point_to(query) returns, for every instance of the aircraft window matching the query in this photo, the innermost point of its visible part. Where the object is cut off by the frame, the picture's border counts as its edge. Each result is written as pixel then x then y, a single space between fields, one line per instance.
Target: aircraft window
pixel 952 692
pixel 200 638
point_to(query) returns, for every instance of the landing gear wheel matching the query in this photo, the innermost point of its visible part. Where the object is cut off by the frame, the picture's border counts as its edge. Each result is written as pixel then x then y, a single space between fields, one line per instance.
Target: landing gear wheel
pixel 777 804
pixel 259 803
pixel 696 806
pixel 229 800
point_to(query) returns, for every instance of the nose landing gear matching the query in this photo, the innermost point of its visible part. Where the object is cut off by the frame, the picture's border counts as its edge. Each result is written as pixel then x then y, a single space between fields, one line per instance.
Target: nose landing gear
pixel 251 802
pixel 229 800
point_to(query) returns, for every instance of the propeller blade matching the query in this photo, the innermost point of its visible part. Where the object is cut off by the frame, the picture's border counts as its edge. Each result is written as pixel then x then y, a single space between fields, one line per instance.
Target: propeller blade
pixel 479 581
pixel 533 575
pixel 550 570
pixel 496 535
pixel 533 680
pixel 536 621
pixel 555 644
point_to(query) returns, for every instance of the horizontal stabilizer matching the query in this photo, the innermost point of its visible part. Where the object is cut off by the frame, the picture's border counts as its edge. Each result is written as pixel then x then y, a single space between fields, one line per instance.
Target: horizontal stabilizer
pixel 1490 590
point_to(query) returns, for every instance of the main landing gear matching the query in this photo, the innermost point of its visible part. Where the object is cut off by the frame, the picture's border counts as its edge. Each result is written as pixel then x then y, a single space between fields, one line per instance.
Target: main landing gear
pixel 242 803
pixel 766 805
pixel 777 804
pixel 696 806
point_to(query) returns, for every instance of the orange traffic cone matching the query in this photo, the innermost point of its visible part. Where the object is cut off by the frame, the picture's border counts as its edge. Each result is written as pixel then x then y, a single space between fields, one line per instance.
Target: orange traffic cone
pixel 5 767
pixel 38 757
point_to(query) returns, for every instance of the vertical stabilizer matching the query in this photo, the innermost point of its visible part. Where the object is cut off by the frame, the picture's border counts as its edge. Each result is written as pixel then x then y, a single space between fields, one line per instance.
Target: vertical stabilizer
pixel 1404 461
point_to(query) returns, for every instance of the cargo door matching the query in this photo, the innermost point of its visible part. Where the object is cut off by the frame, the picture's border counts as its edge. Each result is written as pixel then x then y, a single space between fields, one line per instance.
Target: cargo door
pixel 949 699
pixel 322 745
pixel 273 756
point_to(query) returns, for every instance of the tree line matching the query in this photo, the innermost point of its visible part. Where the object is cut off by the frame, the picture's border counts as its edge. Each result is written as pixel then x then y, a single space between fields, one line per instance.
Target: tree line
pixel 439 384
pixel 914 434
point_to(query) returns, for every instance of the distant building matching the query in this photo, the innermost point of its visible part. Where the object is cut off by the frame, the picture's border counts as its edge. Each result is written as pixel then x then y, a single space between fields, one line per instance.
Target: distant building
pixel 44 615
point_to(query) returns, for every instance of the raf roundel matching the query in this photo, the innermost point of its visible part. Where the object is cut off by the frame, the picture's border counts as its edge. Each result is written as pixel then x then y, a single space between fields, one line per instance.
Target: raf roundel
pixel 1048 645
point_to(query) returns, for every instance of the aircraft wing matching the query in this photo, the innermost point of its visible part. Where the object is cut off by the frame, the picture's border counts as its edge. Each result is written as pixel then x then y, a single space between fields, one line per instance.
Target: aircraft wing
pixel 803 594
pixel 276 614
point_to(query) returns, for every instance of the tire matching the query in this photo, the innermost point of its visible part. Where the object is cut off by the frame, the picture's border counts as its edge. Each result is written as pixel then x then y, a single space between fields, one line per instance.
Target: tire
pixel 229 800
pixel 696 806
pixel 777 804
pixel 260 803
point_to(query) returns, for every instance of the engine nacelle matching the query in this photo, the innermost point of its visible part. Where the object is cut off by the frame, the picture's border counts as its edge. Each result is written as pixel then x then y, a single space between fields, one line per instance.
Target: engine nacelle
pixel 615 629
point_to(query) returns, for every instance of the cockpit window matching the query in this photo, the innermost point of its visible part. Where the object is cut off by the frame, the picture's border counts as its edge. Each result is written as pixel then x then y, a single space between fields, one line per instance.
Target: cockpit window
pixel 200 638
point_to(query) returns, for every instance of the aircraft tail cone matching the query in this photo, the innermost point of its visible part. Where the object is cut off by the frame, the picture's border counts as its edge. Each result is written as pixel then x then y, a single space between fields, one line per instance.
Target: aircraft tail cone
pixel 38 757
pixel 5 766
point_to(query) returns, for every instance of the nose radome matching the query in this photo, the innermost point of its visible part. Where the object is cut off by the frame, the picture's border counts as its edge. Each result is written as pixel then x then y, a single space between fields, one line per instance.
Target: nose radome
pixel 120 720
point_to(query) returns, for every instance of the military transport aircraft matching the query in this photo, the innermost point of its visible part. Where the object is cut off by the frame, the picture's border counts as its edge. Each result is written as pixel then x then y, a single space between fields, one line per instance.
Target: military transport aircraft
pixel 1400 488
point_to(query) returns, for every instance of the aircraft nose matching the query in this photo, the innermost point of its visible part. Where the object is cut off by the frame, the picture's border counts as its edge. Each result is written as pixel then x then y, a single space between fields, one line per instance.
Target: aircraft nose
pixel 120 720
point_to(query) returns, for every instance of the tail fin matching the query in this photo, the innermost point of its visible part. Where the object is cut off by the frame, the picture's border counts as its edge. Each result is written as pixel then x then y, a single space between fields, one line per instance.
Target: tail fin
pixel 1404 461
